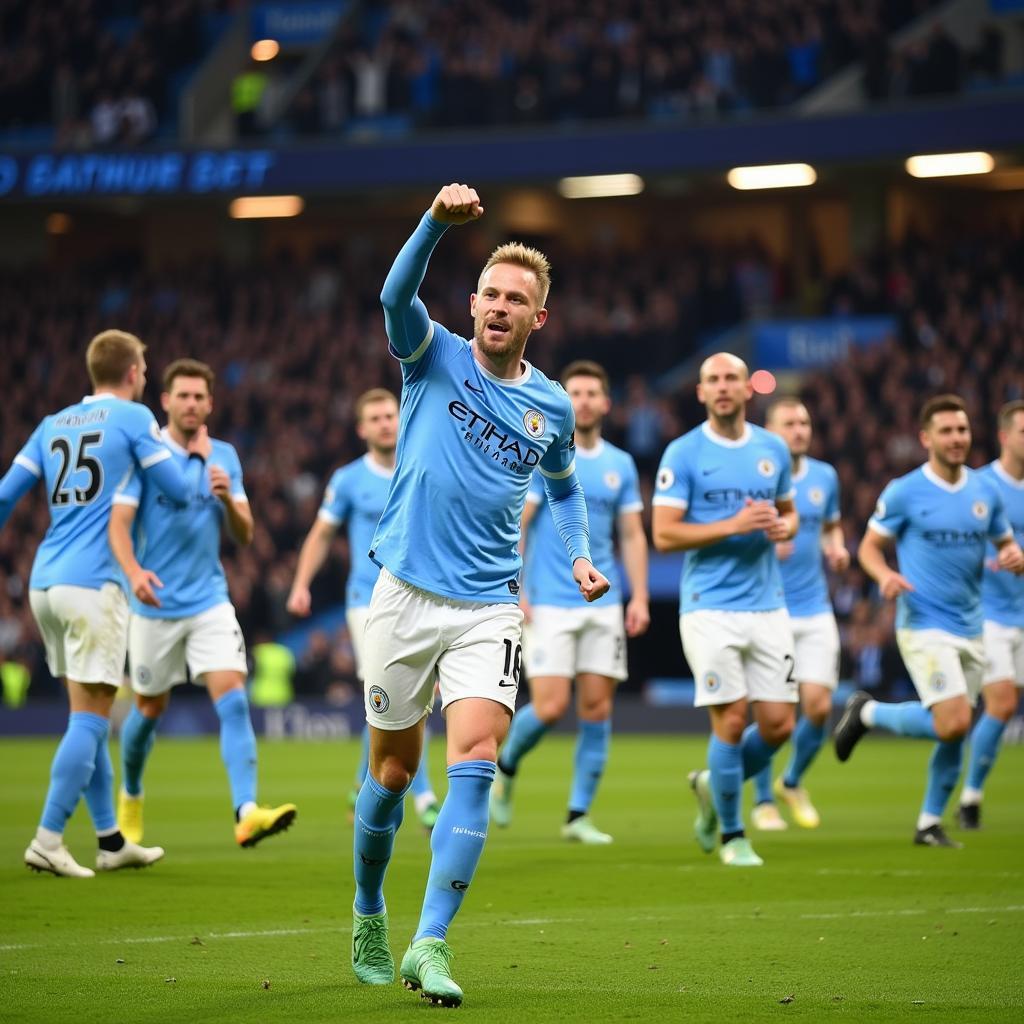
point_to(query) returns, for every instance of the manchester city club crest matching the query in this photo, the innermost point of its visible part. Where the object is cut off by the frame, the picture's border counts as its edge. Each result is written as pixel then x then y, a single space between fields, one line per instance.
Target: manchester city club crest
pixel 612 480
pixel 816 496
pixel 711 681
pixel 534 422
pixel 766 467
pixel 980 509
pixel 379 700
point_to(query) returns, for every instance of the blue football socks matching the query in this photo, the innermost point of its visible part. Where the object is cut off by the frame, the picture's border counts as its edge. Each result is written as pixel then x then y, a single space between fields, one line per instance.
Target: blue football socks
pixel 907 719
pixel 985 738
pixel 378 815
pixel 99 792
pixel 943 773
pixel 807 741
pixel 137 736
pixel 456 843
pixel 592 742
pixel 725 762
pixel 756 752
pixel 237 746
pixel 73 766
pixel 523 735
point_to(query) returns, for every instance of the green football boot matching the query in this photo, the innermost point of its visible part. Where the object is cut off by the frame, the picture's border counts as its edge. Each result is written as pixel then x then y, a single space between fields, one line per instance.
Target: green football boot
pixel 372 961
pixel 738 853
pixel 427 968
pixel 705 825
pixel 501 799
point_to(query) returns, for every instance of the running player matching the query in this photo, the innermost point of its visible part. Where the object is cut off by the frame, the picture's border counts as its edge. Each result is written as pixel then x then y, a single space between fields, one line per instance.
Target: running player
pixel 815 634
pixel 564 637
pixel 182 617
pixel 355 496
pixel 81 453
pixel 724 494
pixel 477 419
pixel 1002 599
pixel 940 516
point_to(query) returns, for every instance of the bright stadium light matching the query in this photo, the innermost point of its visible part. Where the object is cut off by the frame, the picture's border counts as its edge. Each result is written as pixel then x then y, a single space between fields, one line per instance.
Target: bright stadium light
pixel 265 49
pixel 772 176
pixel 946 165
pixel 599 186
pixel 245 207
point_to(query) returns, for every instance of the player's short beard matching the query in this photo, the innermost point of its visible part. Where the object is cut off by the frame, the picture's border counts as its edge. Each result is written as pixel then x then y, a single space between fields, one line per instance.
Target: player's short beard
pixel 515 341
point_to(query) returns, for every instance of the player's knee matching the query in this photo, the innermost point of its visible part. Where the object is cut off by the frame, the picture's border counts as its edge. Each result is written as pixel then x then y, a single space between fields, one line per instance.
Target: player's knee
pixel 392 774
pixel 485 749
pixel 1001 701
pixel 596 710
pixel 777 731
pixel 550 708
pixel 817 709
pixel 953 725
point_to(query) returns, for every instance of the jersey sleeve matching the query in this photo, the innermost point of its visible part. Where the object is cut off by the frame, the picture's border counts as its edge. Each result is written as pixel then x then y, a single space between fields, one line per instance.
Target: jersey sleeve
pixel 832 512
pixel 31 455
pixel 890 516
pixel 129 490
pixel 147 445
pixel 25 472
pixel 559 461
pixel 336 506
pixel 999 528
pixel 630 499
pixel 234 468
pixel 673 485
pixel 786 491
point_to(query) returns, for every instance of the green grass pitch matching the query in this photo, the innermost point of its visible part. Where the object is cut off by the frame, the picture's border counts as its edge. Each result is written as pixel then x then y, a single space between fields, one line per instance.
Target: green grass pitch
pixel 851 922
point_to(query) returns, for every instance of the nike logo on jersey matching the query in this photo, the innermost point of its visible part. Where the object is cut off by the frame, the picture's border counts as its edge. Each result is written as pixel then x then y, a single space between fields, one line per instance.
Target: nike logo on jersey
pixel 713 469
pixel 506 684
pixel 473 387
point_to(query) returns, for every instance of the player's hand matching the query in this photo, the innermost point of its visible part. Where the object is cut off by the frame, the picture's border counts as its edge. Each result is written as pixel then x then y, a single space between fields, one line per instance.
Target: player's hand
pixel 456 204
pixel 780 531
pixel 220 483
pixel 756 515
pixel 837 559
pixel 892 585
pixel 1011 558
pixel 200 443
pixel 300 602
pixel 592 584
pixel 638 616
pixel 784 549
pixel 526 608
pixel 142 582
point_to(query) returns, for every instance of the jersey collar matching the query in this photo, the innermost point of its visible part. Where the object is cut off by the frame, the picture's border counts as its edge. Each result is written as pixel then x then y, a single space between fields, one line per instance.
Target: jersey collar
pixel 97 398
pixel 802 466
pixel 376 468
pixel 514 382
pixel 930 474
pixel 590 453
pixel 726 442
pixel 165 433
pixel 1000 471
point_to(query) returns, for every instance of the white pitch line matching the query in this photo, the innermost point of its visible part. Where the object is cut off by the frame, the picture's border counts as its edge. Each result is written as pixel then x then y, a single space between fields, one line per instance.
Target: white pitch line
pixel 903 912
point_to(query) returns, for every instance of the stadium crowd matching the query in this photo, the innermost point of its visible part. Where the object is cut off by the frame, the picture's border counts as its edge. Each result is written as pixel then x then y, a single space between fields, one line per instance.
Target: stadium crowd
pixel 523 62
pixel 293 346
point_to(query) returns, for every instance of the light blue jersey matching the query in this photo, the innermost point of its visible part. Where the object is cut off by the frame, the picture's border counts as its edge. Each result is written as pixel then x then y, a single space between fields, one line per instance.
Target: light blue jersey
pixel 1002 593
pixel 941 532
pixel 83 453
pixel 356 495
pixel 803 574
pixel 710 478
pixel 611 487
pixel 181 544
pixel 468 443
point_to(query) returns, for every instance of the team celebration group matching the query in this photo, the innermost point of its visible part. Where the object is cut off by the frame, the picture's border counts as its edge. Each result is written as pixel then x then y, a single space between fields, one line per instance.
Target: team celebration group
pixel 482 522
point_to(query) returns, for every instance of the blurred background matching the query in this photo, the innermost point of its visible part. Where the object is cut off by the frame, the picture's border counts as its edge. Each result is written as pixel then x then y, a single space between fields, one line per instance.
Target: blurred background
pixel 833 189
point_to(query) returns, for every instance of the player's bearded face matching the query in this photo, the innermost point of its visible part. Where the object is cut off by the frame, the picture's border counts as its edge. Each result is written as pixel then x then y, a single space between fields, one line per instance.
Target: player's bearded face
pixel 948 437
pixel 188 404
pixel 589 402
pixel 505 310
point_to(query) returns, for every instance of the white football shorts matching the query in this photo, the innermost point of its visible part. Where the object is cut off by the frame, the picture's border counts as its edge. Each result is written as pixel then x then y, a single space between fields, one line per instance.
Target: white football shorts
pixel 413 638
pixel 942 665
pixel 816 649
pixel 565 642
pixel 160 649
pixel 736 655
pixel 1004 653
pixel 356 620
pixel 85 631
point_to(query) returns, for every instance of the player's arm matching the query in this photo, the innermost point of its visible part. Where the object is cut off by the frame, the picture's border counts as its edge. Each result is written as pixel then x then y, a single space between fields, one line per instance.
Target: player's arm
pixel 237 513
pixel 833 546
pixel 119 531
pixel 405 316
pixel 786 523
pixel 633 545
pixel 672 533
pixel 871 555
pixel 312 556
pixel 529 514
pixel 569 514
pixel 153 458
pixel 24 472
pixel 1010 557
